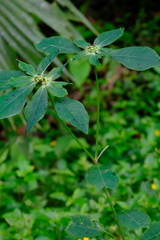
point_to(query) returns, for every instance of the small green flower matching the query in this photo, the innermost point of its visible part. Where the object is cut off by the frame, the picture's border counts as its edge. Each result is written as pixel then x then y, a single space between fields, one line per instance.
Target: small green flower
pixel 12 102
pixel 96 51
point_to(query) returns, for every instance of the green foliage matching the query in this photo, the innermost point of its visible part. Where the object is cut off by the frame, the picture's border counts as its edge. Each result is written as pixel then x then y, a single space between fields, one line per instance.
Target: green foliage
pixel 5 76
pixel 80 71
pixel 134 219
pixel 81 226
pixel 109 37
pixel 72 111
pixel 20 81
pixel 45 220
pixel 36 108
pixel 152 233
pixel 101 176
pixel 28 68
pixel 49 45
pixel 12 102
pixel 56 89
pixel 137 58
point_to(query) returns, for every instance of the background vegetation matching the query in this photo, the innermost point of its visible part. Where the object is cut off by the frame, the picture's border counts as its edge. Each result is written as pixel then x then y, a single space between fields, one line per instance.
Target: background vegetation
pixel 42 179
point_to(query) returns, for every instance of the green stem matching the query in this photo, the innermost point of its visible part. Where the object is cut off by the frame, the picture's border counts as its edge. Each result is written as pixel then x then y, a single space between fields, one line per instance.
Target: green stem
pixel 115 214
pixel 11 121
pixel 72 134
pixel 98 111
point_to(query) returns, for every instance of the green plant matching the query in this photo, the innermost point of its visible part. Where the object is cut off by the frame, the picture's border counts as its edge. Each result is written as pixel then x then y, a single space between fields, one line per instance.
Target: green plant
pixel 73 112
pixel 20 27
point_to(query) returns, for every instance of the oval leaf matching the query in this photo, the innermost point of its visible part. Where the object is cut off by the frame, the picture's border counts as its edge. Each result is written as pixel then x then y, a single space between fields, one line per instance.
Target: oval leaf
pixel 5 76
pixel 51 44
pixel 20 81
pixel 81 43
pixel 28 68
pixel 12 102
pixel 82 226
pixel 137 58
pixel 80 55
pixel 152 233
pixel 93 59
pixel 108 37
pixel 72 111
pixel 100 177
pixel 83 68
pixel 55 73
pixel 134 219
pixel 36 108
pixel 46 62
pixel 56 89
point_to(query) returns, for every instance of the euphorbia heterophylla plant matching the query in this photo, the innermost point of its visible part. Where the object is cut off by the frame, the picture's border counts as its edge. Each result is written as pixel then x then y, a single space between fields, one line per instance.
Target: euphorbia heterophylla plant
pixel 73 112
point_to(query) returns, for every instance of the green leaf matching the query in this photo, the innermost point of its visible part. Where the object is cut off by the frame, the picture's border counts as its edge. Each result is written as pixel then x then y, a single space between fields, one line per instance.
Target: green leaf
pixel 5 76
pixel 81 43
pixel 12 102
pixel 152 233
pixel 80 70
pixel 101 176
pixel 72 111
pixel 46 62
pixel 13 218
pixel 20 81
pixel 51 44
pixel 56 89
pixel 134 219
pixel 55 73
pixel 105 52
pixel 93 59
pixel 80 55
pixel 28 68
pixel 108 37
pixel 82 226
pixel 36 108
pixel 43 238
pixel 137 58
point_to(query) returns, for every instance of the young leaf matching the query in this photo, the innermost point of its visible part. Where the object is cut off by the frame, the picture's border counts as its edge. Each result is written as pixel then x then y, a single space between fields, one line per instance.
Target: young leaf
pixel 36 108
pixel 46 62
pixel 72 111
pixel 137 58
pixel 80 55
pixel 152 233
pixel 12 102
pixel 51 44
pixel 93 59
pixel 108 37
pixel 20 81
pixel 5 76
pixel 28 68
pixel 100 177
pixel 81 43
pixel 82 226
pixel 56 89
pixel 134 219
pixel 82 67
pixel 55 73
pixel 105 52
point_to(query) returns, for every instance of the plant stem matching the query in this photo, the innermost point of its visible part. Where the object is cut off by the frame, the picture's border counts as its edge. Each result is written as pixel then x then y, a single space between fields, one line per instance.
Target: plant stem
pixel 72 134
pixel 11 121
pixel 77 140
pixel 98 111
pixel 115 214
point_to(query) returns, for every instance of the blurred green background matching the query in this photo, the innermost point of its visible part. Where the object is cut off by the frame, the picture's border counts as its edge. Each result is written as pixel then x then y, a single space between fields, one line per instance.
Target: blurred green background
pixel 42 179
